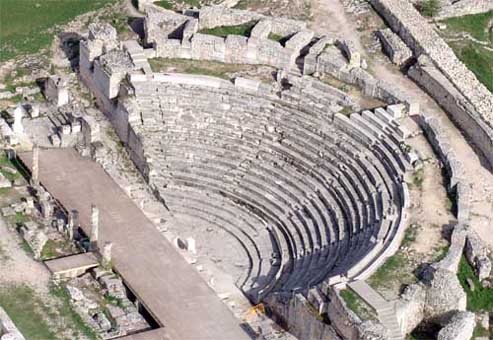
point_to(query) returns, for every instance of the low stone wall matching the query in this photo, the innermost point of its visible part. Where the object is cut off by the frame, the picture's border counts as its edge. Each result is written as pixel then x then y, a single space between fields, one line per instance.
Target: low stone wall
pixel 8 330
pixel 440 142
pixel 438 86
pixel 478 255
pixel 215 16
pixel 394 47
pixel 454 254
pixel 465 7
pixel 233 49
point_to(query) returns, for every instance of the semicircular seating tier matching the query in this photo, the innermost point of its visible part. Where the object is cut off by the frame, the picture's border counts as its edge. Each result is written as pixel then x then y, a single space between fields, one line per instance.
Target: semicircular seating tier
pixel 302 195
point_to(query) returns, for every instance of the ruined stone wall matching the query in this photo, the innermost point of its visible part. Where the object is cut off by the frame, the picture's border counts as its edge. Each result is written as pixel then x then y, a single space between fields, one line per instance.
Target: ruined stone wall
pixel 344 321
pixel 394 47
pixel 463 237
pixel 420 36
pixel 465 7
pixel 232 49
pixel 438 86
pixel 299 317
pixel 215 16
pixel 334 65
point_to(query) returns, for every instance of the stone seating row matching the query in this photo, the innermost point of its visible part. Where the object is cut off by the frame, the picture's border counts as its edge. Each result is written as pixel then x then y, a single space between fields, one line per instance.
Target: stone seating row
pixel 326 185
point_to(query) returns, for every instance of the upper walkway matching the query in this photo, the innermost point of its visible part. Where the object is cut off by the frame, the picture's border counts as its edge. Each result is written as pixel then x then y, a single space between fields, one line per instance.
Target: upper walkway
pixel 169 288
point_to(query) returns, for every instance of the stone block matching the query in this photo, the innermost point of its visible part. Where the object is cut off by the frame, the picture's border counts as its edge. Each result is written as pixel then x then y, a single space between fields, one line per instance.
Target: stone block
pixel 394 47
pixel 396 111
pixel 262 29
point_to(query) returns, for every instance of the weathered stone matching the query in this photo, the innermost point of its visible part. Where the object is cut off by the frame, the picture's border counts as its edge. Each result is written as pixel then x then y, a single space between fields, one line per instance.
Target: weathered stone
pixel 8 330
pixel 394 47
pixel 460 327
pixel 410 307
pixel 444 294
pixel 19 113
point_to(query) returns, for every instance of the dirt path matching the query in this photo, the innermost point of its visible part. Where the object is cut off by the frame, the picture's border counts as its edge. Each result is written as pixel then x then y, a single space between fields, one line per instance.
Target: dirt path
pixel 17 267
pixel 330 17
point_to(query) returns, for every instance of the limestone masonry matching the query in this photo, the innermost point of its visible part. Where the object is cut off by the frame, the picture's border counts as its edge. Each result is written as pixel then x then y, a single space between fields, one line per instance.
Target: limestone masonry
pixel 309 189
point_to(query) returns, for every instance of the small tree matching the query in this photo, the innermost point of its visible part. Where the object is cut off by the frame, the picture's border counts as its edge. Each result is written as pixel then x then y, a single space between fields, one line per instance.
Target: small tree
pixel 429 8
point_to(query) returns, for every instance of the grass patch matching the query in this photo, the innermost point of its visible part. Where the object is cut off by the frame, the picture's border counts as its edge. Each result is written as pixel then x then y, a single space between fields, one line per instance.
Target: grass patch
pixel 171 5
pixel 118 20
pixel 481 299
pixel 481 332
pixel 26 247
pixel 358 306
pixel 5 191
pixel 165 4
pixel 50 249
pixel 346 111
pixel 20 218
pixel 410 235
pixel 276 37
pixel 22 306
pixel 109 299
pixel 449 204
pixel 208 68
pixel 66 310
pixel 429 8
pixel 26 26
pixel 418 178
pixel 395 269
pixel 440 252
pixel 475 56
pixel 14 164
pixel 223 31
pixel 474 24
pixel 477 59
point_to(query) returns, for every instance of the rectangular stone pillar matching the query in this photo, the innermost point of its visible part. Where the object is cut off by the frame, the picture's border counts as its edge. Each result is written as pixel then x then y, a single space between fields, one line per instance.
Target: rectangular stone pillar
pixel 35 167
pixel 72 225
pixel 94 228
pixel 106 255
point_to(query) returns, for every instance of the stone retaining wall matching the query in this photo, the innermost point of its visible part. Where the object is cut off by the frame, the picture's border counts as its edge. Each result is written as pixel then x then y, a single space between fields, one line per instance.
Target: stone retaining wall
pixel 298 316
pixel 440 88
pixel 462 237
pixel 446 78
